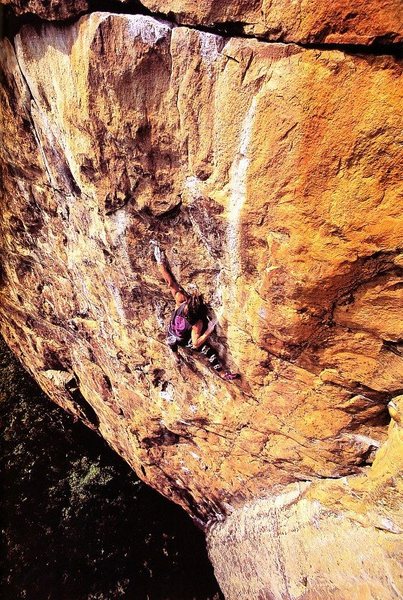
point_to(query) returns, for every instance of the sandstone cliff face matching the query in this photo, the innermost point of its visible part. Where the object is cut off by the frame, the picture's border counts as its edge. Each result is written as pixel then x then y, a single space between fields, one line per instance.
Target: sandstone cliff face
pixel 270 174
pixel 341 22
pixel 331 539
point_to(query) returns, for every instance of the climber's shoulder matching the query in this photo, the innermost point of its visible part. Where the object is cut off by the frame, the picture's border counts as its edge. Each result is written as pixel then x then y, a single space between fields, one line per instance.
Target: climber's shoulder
pixel 180 297
pixel 198 327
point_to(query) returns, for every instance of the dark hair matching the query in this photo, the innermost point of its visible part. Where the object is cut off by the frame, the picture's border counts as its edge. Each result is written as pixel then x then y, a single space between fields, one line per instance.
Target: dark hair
pixel 196 308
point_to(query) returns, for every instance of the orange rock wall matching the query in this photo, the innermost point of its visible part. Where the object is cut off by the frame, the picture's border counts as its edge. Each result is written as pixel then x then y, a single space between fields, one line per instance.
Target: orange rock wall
pixel 341 22
pixel 270 173
pixel 330 539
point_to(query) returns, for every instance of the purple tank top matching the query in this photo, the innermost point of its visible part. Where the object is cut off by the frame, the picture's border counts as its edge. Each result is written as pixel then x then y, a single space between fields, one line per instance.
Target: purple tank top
pixel 179 325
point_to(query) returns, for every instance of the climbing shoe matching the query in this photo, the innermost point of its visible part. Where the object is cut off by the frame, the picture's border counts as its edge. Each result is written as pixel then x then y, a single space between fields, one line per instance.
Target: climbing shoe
pixel 228 376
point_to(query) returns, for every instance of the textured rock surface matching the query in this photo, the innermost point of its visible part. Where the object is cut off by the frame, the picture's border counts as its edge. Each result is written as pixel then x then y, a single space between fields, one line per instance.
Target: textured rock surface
pixel 270 173
pixel 335 539
pixel 341 22
pixel 48 9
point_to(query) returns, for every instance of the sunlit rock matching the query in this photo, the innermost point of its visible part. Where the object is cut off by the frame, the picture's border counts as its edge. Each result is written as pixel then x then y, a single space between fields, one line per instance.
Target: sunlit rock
pixel 340 22
pixel 270 175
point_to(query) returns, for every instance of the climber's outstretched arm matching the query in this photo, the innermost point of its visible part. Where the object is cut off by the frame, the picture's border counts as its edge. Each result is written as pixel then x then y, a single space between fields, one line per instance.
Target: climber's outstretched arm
pixel 165 270
pixel 169 278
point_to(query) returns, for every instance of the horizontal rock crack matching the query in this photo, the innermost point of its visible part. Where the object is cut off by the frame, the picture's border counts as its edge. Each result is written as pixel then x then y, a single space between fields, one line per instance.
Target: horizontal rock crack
pixel 13 24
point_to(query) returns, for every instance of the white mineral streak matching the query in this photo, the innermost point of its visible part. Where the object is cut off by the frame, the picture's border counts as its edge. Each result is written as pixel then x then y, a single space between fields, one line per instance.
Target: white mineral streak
pixel 168 393
pixel 210 48
pixel 148 29
pixel 39 116
pixel 159 318
pixel 120 222
pixel 117 300
pixel 238 193
pixel 192 186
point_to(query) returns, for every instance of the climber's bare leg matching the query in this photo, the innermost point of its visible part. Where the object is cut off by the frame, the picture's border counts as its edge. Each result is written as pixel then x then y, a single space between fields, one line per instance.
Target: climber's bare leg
pixel 215 362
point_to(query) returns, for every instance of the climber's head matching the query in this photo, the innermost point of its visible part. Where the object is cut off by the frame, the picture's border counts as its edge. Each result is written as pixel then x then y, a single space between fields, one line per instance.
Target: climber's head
pixel 194 307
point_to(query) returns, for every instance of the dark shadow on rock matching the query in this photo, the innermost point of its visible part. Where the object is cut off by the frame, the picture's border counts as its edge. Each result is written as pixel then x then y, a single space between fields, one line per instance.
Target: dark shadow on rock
pixel 78 524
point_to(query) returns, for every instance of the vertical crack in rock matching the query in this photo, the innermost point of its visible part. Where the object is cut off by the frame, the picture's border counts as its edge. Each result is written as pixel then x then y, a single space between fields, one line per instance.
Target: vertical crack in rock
pixel 377 38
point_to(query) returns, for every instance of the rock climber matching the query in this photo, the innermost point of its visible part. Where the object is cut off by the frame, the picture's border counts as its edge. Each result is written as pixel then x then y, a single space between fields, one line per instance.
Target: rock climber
pixel 189 326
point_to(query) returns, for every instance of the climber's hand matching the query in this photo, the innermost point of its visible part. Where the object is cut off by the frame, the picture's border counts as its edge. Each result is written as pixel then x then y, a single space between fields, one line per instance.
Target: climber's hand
pixel 159 254
pixel 211 325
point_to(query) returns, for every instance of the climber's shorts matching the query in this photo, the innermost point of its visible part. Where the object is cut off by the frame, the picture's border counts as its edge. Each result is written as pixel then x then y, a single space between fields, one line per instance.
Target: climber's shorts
pixel 206 350
pixel 173 342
